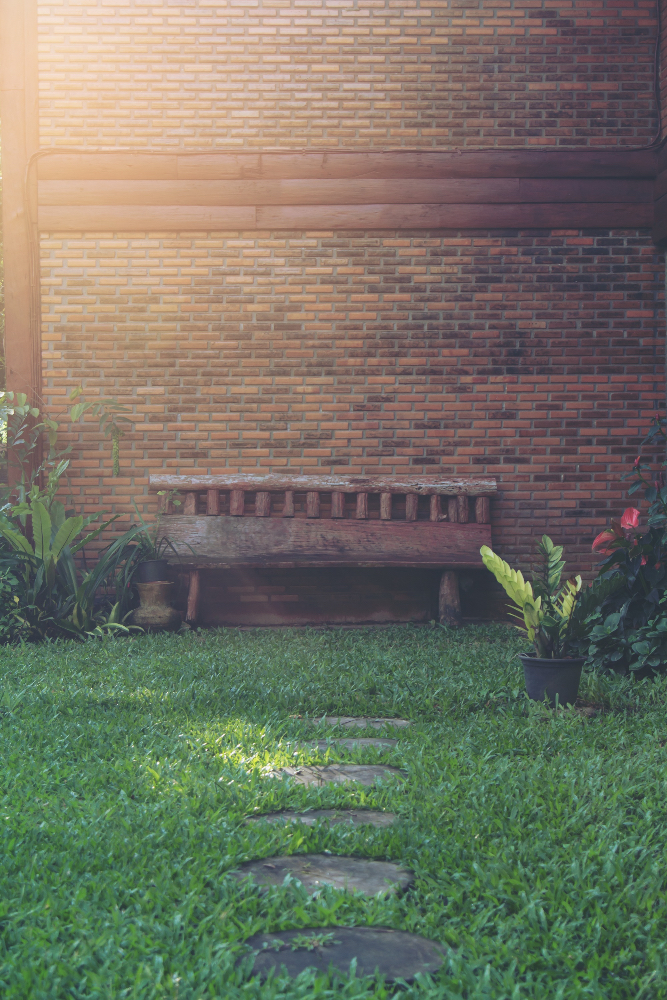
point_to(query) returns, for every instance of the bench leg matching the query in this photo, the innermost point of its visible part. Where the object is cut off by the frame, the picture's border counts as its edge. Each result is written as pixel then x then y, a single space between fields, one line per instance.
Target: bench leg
pixel 193 598
pixel 449 602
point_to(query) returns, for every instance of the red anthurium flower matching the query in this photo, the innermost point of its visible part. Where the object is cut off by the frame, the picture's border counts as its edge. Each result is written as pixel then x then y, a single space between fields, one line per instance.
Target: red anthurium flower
pixel 644 561
pixel 637 461
pixel 630 518
pixel 603 542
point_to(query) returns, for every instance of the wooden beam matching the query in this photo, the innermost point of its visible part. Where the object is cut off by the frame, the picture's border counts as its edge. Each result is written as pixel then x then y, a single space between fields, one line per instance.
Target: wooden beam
pixel 20 139
pixel 277 481
pixel 451 191
pixel 659 233
pixel 186 218
pixel 127 165
pixel 117 218
pixel 530 216
pixel 288 542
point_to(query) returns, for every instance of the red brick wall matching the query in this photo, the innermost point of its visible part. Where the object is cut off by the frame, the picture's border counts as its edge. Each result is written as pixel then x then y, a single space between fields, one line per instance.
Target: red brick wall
pixel 421 73
pixel 536 356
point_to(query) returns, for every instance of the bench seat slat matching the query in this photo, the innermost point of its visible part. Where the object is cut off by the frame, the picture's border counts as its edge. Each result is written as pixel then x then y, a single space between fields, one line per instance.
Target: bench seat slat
pixel 236 503
pixel 226 542
pixel 212 502
pixel 337 504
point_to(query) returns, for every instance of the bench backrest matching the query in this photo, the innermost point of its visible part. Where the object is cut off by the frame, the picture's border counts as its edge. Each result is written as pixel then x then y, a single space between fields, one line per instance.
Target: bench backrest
pixel 280 495
pixel 327 520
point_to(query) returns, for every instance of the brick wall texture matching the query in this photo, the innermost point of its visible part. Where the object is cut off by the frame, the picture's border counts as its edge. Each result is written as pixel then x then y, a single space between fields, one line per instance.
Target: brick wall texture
pixel 347 73
pixel 533 356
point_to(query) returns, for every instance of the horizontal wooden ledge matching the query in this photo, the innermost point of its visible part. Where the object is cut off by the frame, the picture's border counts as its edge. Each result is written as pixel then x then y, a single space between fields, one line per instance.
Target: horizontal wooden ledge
pixel 346 191
pixel 425 485
pixel 659 233
pixel 124 165
pixel 183 218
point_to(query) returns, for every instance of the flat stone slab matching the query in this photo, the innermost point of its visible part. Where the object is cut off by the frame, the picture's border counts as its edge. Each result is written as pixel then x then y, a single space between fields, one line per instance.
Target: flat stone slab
pixel 340 774
pixel 393 954
pixel 355 817
pixel 357 722
pixel 351 744
pixel 373 878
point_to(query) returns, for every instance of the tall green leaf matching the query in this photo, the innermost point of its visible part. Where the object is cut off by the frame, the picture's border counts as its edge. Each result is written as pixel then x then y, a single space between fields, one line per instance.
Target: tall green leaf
pixel 41 530
pixel 17 541
pixel 66 534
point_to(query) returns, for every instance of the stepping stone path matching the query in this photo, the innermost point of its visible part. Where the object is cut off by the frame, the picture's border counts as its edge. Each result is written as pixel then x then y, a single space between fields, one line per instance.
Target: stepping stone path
pixel 357 722
pixel 395 954
pixel 340 774
pixel 373 878
pixel 359 817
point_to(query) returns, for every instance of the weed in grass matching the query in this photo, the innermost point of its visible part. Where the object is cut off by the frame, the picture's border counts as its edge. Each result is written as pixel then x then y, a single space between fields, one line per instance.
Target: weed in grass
pixel 128 766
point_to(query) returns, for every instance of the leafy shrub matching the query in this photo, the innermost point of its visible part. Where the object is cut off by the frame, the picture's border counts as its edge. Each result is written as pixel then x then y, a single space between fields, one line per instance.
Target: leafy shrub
pixel 43 593
pixel 629 622
pixel 547 608
pixel 53 599
pixel 9 584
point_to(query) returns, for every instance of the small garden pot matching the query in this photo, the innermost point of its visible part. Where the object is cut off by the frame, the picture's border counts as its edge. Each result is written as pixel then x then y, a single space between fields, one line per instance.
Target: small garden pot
pixel 551 678
pixel 151 570
pixel 155 613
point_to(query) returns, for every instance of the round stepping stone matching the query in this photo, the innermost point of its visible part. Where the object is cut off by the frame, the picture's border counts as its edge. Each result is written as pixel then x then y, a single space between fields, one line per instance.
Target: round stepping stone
pixel 373 878
pixel 355 817
pixel 393 954
pixel 350 744
pixel 358 722
pixel 340 774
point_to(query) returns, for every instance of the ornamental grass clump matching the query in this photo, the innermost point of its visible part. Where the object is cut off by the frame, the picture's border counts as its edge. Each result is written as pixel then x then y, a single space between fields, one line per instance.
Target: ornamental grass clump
pixel 547 608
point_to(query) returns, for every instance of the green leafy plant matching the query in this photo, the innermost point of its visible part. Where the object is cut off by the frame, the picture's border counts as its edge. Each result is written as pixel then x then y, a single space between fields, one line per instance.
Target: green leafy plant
pixel 39 470
pixel 625 631
pixel 31 439
pixel 547 608
pixel 53 598
pixel 152 544
pixel 111 416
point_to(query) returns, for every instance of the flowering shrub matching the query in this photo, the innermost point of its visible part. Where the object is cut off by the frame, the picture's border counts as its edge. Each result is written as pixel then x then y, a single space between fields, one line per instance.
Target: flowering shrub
pixel 624 530
pixel 629 625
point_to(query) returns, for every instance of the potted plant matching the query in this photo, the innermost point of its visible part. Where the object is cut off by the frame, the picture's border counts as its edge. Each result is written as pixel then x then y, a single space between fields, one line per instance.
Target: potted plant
pixel 155 613
pixel 552 669
pixel 152 565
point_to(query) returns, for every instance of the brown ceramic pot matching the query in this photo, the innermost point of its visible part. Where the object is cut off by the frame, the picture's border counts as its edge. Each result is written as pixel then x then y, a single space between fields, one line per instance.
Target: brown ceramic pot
pixel 155 613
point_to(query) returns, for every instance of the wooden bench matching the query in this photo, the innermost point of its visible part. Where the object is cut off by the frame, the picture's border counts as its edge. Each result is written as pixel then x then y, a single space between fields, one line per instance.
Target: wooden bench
pixel 284 521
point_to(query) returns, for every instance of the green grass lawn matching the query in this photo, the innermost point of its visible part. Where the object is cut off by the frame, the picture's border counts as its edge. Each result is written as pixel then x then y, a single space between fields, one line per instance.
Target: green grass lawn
pixel 128 766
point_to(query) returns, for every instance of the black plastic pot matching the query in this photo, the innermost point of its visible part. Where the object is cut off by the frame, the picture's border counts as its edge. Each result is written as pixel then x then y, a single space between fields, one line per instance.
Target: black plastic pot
pixel 552 678
pixel 152 571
